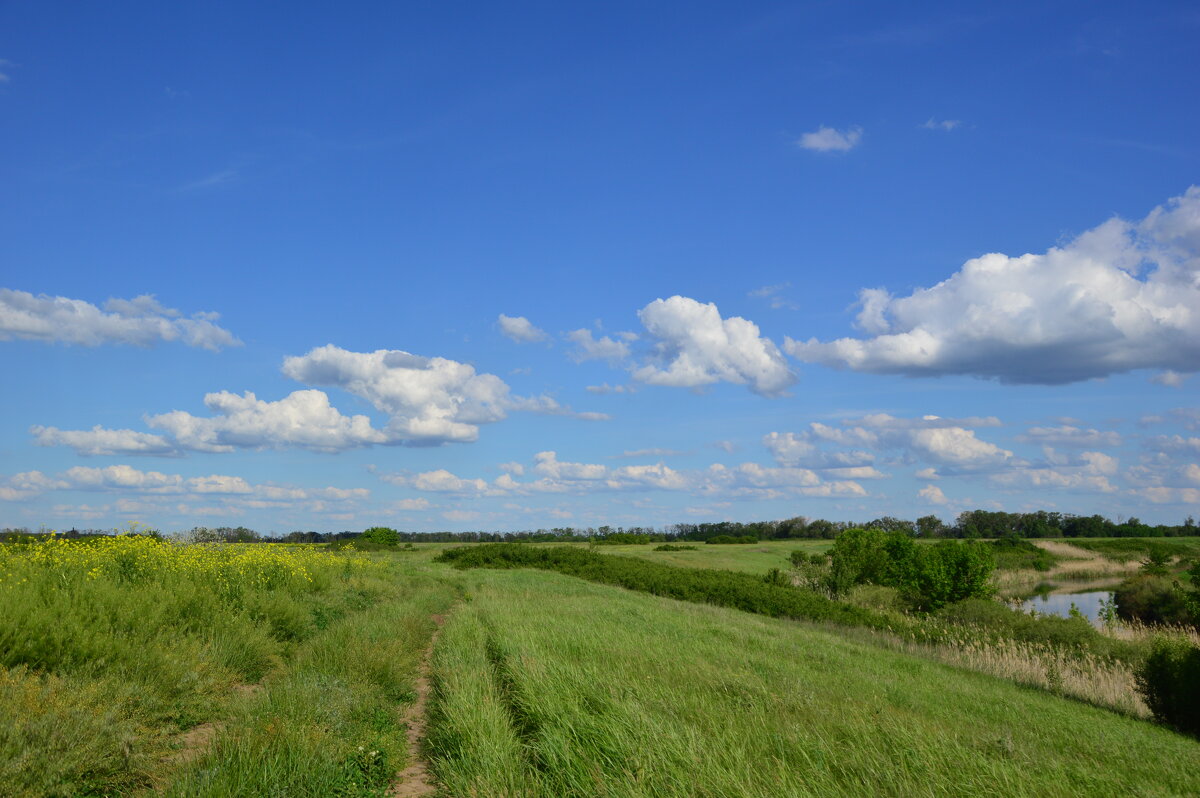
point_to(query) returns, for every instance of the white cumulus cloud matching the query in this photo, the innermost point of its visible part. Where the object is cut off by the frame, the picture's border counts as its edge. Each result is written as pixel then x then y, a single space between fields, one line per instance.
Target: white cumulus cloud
pixel 932 494
pixel 1119 297
pixel 944 441
pixel 303 419
pixel 694 346
pixel 520 329
pixel 140 321
pixel 587 347
pixel 101 441
pixel 430 400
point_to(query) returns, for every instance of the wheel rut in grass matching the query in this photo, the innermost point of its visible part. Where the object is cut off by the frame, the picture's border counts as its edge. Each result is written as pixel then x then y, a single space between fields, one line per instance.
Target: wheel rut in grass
pixel 525 724
pixel 416 779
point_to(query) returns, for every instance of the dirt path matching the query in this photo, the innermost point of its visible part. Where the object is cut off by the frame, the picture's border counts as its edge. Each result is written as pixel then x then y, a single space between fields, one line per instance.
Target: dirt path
pixel 416 778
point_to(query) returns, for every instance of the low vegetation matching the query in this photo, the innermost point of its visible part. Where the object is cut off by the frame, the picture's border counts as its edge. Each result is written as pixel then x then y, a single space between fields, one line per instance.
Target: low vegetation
pixel 131 663
pixel 134 665
pixel 711 702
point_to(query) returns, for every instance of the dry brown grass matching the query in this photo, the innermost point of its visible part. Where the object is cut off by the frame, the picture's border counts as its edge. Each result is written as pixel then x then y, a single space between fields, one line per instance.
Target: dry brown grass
pixel 1083 564
pixel 1136 631
pixel 1085 677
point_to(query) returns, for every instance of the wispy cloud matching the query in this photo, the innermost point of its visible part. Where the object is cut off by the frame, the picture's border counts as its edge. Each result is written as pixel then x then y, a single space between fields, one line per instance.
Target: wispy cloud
pixel 224 177
pixel 771 293
pixel 827 139
pixel 943 124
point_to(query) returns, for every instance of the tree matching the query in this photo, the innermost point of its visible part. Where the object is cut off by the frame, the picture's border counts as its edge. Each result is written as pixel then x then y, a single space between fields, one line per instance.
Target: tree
pixel 930 526
pixel 383 535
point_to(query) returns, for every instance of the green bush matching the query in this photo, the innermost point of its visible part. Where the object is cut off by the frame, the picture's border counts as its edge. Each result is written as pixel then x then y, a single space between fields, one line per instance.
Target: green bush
pixel 776 576
pixel 1152 598
pixel 800 558
pixel 946 572
pixel 673 547
pixel 621 539
pixel 725 539
pixel 1169 681
pixel 929 576
pixel 383 535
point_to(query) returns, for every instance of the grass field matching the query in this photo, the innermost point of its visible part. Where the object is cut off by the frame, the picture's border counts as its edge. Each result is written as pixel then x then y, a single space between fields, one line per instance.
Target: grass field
pixel 134 667
pixel 621 694
pixel 756 558
pixel 131 666
pixel 1131 549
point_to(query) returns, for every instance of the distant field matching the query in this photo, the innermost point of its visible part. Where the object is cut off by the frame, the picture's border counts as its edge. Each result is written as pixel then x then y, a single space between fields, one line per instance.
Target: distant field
pixel 1125 549
pixel 755 558
pixel 549 686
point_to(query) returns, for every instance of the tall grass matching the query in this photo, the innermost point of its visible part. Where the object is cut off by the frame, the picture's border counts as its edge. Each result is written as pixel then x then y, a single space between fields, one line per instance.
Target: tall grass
pixel 548 686
pixel 112 649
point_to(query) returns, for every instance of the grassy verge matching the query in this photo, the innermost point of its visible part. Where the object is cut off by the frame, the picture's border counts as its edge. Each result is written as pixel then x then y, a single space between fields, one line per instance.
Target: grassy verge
pixel 549 686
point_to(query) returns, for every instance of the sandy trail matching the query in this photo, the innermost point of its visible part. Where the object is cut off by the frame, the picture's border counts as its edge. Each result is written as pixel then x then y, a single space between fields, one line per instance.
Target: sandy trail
pixel 416 778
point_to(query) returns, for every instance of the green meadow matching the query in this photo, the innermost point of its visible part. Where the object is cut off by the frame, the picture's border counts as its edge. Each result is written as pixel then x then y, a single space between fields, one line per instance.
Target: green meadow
pixel 162 669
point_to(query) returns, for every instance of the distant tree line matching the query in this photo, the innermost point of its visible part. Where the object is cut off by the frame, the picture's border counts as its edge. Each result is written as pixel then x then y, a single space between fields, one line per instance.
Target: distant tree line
pixel 970 524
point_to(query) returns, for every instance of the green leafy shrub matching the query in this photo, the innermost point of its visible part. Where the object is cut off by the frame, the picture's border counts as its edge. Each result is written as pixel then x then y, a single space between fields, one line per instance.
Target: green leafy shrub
pixel 621 539
pixel 1152 598
pixel 946 572
pixel 929 576
pixel 776 576
pixel 726 539
pixel 1169 681
pixel 674 547
pixel 799 558
pixel 383 535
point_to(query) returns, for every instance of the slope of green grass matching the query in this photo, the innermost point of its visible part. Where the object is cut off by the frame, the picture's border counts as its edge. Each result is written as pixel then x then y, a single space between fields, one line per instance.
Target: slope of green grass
pixel 755 558
pixel 1125 549
pixel 550 686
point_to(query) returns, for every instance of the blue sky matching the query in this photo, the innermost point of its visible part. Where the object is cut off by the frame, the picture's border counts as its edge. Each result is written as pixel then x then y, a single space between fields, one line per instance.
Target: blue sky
pixel 465 266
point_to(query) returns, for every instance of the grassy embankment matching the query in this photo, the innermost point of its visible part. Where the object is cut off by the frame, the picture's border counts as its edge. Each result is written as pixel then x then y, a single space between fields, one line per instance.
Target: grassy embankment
pixel 130 666
pixel 755 558
pixel 1063 656
pixel 553 686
